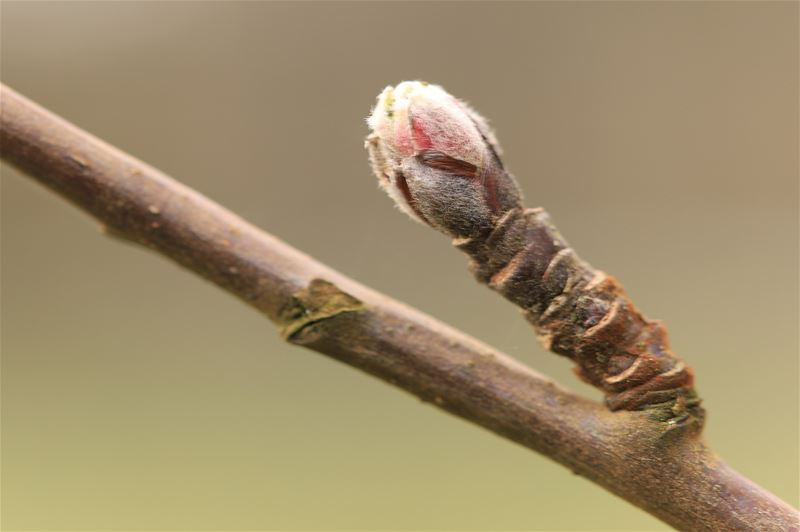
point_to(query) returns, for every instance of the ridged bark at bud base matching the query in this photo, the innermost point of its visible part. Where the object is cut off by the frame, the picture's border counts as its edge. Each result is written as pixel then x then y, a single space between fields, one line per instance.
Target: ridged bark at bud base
pixel 440 162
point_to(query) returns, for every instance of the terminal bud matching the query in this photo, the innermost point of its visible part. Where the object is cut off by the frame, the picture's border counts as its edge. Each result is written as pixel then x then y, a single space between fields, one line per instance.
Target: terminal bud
pixel 438 159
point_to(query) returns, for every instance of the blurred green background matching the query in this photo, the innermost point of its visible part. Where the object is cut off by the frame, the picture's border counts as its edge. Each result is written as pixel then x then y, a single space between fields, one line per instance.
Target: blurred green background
pixel 662 138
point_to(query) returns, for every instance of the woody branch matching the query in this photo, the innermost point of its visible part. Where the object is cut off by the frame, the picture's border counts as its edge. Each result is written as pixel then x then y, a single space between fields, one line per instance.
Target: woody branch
pixel 671 474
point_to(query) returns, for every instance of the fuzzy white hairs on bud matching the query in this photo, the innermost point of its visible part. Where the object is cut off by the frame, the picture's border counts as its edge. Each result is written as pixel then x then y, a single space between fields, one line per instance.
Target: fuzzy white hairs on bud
pixel 438 160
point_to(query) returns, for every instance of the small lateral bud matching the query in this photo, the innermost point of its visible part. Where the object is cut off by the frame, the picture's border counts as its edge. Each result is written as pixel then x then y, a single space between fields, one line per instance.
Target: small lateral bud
pixel 438 160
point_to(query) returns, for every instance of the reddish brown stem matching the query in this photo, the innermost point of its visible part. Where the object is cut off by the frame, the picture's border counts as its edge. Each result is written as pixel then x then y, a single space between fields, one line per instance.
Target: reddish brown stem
pixel 671 474
pixel 584 314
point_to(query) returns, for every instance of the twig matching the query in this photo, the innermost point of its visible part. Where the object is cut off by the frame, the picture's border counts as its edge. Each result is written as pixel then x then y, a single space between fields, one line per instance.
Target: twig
pixel 440 161
pixel 671 474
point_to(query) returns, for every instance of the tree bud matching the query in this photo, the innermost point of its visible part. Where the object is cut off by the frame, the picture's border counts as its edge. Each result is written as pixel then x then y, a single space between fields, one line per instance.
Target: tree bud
pixel 438 160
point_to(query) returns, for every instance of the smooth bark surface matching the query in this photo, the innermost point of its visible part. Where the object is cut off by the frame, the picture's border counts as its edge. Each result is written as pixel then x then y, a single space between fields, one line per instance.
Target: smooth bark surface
pixel 668 472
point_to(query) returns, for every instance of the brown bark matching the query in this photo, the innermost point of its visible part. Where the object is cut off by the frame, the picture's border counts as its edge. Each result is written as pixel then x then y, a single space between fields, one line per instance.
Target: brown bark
pixel 584 314
pixel 669 473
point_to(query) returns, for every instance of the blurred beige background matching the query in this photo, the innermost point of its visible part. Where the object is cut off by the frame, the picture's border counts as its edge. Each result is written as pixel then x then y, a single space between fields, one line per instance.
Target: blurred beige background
pixel 662 138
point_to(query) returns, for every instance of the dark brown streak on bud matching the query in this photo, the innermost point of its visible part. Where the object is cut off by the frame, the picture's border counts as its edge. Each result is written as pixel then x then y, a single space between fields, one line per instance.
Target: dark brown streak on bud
pixel 490 189
pixel 489 181
pixel 442 161
pixel 488 144
pixel 402 184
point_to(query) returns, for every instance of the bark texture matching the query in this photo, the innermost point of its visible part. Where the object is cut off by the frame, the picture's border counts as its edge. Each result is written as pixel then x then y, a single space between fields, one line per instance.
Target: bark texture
pixel 584 314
